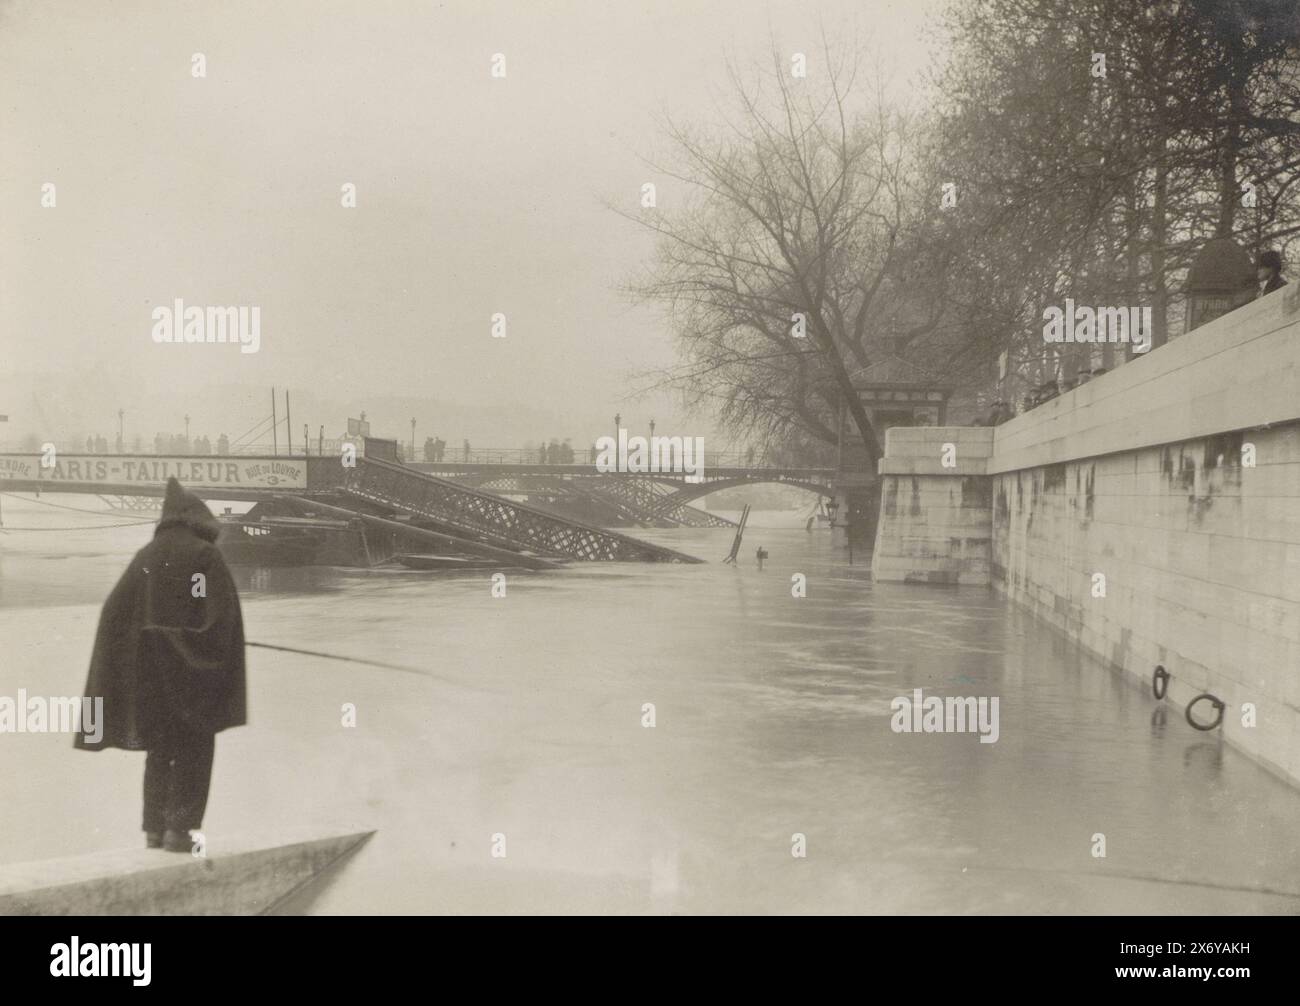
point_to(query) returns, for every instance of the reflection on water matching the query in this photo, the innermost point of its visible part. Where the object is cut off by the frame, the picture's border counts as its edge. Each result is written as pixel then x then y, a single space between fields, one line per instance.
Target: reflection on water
pixel 771 721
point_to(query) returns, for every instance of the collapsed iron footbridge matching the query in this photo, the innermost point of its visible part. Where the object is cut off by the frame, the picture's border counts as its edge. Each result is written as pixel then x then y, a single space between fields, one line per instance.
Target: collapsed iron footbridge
pixel 389 508
pixel 649 499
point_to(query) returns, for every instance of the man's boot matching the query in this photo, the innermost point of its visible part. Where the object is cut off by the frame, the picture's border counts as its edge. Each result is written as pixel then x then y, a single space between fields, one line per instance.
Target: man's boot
pixel 177 841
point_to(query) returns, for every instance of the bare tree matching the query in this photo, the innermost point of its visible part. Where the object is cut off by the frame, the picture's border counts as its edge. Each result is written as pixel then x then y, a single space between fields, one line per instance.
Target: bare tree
pixel 784 263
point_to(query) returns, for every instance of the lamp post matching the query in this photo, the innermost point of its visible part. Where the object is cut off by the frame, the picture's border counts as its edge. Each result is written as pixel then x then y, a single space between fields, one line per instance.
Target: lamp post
pixel 618 422
pixel 187 434
pixel 412 438
pixel 121 442
pixel 652 429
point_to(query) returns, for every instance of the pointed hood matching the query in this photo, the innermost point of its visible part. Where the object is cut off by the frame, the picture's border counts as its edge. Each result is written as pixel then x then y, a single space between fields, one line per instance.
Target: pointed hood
pixel 181 508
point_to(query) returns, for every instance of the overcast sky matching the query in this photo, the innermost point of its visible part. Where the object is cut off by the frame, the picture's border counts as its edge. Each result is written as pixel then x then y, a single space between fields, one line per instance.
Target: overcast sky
pixel 475 196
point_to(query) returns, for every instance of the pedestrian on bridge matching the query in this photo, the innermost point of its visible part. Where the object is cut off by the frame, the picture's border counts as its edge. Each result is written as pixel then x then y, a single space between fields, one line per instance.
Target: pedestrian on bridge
pixel 168 664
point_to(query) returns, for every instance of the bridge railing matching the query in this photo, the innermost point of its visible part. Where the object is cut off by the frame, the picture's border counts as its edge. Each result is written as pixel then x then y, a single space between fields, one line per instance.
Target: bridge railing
pixel 147 449
pixel 587 456
pixel 450 455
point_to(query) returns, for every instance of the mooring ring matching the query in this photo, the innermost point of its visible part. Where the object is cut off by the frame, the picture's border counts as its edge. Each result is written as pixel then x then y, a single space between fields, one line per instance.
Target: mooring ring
pixel 1160 682
pixel 1218 704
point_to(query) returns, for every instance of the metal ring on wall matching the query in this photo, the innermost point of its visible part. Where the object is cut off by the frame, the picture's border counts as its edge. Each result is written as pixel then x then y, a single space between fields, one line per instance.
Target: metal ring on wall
pixel 1218 704
pixel 1160 682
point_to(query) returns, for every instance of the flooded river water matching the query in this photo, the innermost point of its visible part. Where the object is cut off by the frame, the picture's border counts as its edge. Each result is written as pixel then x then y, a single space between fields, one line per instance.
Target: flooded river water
pixel 772 720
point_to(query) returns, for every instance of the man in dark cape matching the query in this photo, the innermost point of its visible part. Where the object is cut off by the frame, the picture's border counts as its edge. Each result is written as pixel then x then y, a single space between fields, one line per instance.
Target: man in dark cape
pixel 169 665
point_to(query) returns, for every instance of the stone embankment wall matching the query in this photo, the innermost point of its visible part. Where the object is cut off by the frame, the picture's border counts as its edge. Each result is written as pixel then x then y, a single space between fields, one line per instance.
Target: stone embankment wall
pixel 1152 514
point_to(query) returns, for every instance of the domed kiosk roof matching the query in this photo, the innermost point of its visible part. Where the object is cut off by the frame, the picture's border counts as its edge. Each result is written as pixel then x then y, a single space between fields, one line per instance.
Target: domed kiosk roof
pixel 1222 266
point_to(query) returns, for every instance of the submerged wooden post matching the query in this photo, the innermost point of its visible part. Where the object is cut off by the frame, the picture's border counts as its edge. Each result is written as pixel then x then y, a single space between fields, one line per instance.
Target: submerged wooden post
pixel 740 533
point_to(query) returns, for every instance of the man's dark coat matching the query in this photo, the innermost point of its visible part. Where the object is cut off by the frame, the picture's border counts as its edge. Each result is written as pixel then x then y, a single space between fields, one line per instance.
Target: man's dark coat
pixel 164 658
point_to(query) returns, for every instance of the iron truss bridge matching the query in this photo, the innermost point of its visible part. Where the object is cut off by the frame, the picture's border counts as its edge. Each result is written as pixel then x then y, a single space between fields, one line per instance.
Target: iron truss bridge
pixel 491 518
pixel 453 499
pixel 372 490
pixel 659 499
